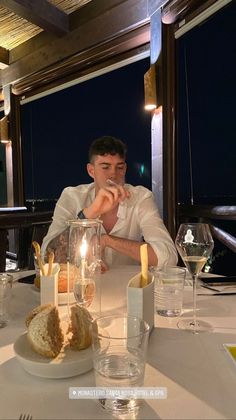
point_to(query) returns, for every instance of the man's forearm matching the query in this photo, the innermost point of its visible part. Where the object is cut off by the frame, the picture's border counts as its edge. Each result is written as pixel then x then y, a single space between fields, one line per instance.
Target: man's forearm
pixel 128 247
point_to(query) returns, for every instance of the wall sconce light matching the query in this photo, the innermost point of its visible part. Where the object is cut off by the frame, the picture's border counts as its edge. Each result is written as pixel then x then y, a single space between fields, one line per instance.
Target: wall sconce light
pixel 150 89
pixel 4 135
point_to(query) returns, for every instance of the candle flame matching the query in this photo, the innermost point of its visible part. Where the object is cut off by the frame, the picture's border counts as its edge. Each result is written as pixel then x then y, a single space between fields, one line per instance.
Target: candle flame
pixel 83 248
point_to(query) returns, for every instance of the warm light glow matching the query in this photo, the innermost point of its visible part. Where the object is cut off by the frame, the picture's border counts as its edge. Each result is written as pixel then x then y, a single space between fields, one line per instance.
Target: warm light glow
pixel 150 107
pixel 150 89
pixel 83 248
pixel 5 141
pixel 4 136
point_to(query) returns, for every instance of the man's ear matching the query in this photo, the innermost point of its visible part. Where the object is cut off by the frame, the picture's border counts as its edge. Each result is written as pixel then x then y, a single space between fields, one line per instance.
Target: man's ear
pixel 90 170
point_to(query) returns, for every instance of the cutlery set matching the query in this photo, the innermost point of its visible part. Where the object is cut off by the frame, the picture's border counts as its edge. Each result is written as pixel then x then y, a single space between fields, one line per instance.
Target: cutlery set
pixel 219 286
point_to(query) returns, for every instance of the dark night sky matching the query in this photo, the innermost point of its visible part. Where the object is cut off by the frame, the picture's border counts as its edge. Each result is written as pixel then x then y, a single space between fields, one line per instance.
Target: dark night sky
pixel 57 130
pixel 207 63
pixel 207 71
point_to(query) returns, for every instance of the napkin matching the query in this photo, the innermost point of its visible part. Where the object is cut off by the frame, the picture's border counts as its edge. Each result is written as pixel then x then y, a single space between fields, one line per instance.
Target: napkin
pixel 49 285
pixel 140 292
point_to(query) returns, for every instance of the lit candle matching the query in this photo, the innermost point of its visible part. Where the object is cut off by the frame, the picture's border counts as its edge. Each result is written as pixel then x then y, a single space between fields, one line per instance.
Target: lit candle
pixel 83 252
pixel 84 288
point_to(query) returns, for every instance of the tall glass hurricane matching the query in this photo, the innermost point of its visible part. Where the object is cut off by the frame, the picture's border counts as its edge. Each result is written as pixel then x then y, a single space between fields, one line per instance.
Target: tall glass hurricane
pixel 194 244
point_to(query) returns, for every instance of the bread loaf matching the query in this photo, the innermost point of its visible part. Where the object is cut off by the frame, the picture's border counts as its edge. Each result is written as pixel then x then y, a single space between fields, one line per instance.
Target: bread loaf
pixel 44 331
pixel 45 334
pixel 34 312
pixel 79 328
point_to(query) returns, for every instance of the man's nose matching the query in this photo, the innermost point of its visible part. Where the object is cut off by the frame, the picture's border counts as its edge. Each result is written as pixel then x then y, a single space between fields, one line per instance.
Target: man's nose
pixel 113 172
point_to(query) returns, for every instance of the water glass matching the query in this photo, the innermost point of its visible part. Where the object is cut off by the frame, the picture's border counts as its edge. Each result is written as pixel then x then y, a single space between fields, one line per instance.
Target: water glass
pixel 119 346
pixel 6 281
pixel 168 291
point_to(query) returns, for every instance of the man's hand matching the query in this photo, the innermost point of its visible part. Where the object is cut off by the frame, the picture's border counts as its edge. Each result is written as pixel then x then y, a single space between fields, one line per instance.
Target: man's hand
pixel 104 267
pixel 106 200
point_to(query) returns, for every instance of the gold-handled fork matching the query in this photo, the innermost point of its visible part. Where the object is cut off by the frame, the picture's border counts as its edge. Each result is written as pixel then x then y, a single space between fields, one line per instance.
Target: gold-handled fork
pixel 25 417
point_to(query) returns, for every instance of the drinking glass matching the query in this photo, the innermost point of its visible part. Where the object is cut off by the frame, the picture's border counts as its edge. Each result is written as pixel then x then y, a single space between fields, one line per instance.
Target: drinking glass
pixel 6 281
pixel 119 345
pixel 194 244
pixel 84 262
pixel 169 290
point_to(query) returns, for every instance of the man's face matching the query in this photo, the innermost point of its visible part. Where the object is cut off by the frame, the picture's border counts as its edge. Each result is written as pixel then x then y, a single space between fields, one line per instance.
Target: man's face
pixel 107 167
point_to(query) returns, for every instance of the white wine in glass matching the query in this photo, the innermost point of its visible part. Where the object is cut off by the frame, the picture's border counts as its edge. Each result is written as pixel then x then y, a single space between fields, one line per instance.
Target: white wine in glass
pixel 194 244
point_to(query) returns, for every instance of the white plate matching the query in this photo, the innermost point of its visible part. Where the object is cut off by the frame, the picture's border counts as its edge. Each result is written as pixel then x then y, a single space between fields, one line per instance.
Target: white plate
pixel 67 364
pixel 62 297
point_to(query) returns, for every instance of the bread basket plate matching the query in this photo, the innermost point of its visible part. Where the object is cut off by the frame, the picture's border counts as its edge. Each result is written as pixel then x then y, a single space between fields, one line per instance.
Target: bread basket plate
pixel 67 364
pixel 62 297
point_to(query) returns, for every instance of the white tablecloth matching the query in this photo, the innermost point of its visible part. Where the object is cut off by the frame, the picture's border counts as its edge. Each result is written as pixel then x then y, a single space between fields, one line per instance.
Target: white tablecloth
pixel 199 376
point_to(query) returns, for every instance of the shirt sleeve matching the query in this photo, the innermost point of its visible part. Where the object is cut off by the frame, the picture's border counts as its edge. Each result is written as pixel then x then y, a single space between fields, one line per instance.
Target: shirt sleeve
pixel 155 232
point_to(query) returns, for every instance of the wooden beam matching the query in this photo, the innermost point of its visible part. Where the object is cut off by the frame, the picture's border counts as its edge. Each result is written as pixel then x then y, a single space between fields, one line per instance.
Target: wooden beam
pixel 78 18
pixel 4 58
pixel 21 219
pixel 120 19
pixel 130 44
pixel 15 135
pixel 155 41
pixel 226 238
pixel 216 212
pixel 174 11
pixel 169 141
pixel 41 13
pixel 7 99
pixel 154 5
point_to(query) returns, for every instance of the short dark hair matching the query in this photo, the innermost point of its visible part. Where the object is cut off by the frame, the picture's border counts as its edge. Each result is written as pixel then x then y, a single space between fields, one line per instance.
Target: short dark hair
pixel 107 145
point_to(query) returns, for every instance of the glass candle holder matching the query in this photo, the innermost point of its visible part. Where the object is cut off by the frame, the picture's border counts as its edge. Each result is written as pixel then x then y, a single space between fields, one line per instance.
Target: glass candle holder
pixel 84 263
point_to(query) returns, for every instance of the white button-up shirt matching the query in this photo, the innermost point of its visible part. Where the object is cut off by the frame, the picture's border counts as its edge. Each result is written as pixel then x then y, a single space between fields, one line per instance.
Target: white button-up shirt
pixel 138 219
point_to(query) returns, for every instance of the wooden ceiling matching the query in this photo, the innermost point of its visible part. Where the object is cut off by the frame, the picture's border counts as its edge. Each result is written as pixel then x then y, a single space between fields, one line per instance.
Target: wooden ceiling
pixel 21 20
pixel 43 41
pixel 40 35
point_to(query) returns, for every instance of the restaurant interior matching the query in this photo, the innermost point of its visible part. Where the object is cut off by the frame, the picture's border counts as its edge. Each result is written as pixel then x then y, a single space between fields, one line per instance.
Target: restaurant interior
pixel 183 72
pixel 160 75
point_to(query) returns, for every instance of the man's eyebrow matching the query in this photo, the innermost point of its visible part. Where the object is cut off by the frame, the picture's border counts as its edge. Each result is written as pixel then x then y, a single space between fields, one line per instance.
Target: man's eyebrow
pixel 108 163
pixel 104 163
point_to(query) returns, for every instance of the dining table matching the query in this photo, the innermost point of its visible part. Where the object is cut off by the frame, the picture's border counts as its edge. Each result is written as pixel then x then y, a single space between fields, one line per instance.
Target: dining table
pixel 195 369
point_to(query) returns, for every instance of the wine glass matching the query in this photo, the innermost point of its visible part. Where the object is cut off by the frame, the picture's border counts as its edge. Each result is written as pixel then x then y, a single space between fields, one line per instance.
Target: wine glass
pixel 194 244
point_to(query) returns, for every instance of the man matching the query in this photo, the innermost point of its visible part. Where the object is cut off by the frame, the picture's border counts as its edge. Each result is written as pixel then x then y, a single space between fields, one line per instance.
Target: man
pixel 129 214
